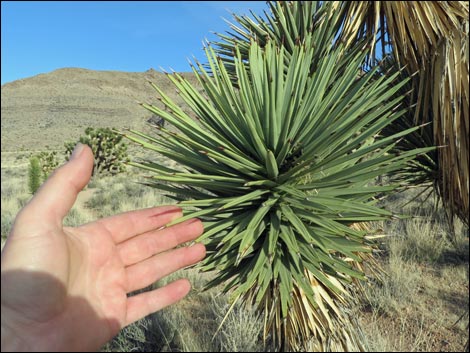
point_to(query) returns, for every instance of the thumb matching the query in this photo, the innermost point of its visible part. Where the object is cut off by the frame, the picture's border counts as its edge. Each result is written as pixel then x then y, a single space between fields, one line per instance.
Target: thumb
pixel 55 198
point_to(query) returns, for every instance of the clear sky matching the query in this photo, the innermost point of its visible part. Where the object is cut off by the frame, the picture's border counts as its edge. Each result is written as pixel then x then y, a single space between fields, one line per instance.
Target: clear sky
pixel 42 36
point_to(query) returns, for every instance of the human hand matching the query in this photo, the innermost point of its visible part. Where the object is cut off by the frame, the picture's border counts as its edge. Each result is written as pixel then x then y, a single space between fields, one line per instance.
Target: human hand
pixel 65 288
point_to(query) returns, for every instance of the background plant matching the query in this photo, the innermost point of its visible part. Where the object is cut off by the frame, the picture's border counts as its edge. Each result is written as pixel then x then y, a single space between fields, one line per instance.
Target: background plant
pixel 34 175
pixel 48 163
pixel 109 150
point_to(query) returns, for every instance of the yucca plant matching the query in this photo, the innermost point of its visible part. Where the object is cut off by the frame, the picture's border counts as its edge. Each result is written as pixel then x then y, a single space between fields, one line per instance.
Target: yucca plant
pixel 288 23
pixel 278 166
pixel 427 39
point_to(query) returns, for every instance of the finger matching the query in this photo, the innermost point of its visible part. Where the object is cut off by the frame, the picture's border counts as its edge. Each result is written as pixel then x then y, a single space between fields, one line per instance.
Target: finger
pixel 146 303
pixel 56 196
pixel 151 270
pixel 148 244
pixel 129 224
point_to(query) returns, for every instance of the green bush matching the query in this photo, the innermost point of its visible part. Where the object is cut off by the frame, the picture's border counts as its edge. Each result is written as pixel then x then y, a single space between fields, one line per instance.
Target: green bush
pixel 109 150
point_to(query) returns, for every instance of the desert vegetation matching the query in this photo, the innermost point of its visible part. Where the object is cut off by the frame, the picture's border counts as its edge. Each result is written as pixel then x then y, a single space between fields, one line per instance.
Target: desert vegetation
pixel 332 220
pixel 34 175
pixel 297 118
pixel 109 150
pixel 420 304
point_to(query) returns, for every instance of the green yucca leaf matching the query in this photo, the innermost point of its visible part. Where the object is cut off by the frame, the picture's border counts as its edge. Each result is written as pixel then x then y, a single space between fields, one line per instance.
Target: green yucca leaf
pixel 277 159
pixel 272 169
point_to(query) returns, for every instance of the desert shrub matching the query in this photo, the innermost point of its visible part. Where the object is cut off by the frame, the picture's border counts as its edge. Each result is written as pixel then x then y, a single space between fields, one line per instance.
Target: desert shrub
pixel 7 220
pixel 76 217
pixel 241 328
pixel 48 163
pixel 109 150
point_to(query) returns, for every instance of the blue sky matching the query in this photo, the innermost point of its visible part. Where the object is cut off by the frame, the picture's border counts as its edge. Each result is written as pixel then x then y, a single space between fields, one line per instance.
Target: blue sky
pixel 42 36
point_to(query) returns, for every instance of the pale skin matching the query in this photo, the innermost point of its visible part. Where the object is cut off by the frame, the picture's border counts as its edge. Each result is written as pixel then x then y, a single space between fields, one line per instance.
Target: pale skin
pixel 65 289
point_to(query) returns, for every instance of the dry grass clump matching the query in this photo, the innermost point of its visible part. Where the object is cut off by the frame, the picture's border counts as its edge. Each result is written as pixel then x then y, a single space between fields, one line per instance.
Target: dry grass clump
pixel 199 323
pixel 421 304
pixel 14 195
pixel 121 193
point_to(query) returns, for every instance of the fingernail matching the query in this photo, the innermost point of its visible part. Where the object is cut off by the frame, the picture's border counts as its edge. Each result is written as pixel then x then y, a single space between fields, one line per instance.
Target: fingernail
pixel 77 150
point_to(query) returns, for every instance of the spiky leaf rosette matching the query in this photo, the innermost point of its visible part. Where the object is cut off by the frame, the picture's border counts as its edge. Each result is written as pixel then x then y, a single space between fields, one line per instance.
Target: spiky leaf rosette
pixel 278 169
pixel 288 23
pixel 291 22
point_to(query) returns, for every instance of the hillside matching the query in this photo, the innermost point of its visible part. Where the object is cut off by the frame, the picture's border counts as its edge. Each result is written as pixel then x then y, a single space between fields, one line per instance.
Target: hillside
pixel 44 111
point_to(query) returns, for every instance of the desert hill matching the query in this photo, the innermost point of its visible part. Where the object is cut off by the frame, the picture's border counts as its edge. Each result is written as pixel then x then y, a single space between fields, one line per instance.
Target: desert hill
pixel 44 111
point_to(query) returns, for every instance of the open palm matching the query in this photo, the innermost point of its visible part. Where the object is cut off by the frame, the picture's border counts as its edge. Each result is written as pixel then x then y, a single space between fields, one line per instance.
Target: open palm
pixel 67 288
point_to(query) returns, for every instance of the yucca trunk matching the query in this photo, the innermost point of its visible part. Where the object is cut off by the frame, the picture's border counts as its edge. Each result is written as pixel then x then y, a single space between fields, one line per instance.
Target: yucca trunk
pixel 429 39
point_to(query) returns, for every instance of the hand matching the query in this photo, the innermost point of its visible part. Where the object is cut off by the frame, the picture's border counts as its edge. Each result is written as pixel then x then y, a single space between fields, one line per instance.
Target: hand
pixel 66 288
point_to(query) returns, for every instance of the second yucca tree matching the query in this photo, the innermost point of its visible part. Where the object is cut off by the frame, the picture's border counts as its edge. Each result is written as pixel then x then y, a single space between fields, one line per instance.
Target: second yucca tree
pixel 278 168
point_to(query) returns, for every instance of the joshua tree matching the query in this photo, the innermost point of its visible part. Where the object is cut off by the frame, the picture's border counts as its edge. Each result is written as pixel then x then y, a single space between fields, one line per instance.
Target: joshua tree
pixel 109 150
